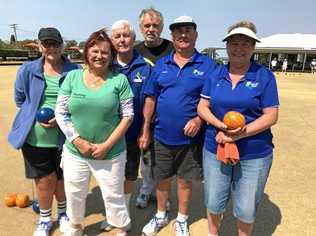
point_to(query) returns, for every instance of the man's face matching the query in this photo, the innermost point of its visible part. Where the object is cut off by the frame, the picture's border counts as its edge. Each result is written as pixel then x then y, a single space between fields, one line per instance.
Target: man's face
pixel 151 27
pixel 184 37
pixel 123 39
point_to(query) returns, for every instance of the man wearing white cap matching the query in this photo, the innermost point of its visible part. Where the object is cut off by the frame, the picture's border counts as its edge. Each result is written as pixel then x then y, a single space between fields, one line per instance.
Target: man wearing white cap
pixel 173 92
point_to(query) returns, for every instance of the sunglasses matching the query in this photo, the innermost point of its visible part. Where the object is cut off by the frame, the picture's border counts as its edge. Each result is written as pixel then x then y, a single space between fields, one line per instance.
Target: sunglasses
pixel 51 44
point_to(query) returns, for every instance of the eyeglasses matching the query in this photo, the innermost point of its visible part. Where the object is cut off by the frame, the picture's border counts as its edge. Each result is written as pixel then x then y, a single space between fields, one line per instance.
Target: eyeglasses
pixel 51 44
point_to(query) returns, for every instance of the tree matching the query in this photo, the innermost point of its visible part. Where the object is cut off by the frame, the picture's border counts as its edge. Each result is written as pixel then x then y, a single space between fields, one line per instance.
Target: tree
pixel 70 43
pixel 12 39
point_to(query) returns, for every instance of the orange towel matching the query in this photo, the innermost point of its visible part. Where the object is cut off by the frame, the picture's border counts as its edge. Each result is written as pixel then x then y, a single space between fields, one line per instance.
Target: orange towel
pixel 228 153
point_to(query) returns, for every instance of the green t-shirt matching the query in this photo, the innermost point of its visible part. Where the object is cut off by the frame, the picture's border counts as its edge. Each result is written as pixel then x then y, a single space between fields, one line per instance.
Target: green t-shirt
pixel 40 136
pixel 95 112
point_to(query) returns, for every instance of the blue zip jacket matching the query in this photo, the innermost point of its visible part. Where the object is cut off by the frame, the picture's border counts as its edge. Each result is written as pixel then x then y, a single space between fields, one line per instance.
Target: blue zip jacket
pixel 28 91
pixel 137 73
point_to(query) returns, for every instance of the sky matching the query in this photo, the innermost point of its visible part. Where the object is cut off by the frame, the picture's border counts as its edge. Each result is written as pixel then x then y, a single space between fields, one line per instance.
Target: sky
pixel 77 19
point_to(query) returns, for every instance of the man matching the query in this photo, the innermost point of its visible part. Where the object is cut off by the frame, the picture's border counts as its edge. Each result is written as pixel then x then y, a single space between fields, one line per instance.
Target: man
pixel 152 48
pixel 130 63
pixel 173 92
pixel 313 66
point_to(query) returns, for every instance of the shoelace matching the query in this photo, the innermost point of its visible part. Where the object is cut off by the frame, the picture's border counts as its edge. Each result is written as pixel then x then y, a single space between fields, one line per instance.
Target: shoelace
pixel 181 225
pixel 43 225
pixel 63 217
pixel 155 221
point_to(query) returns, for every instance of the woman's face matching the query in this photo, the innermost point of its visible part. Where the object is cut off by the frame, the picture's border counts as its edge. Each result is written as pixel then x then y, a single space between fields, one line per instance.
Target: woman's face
pixel 240 49
pixel 51 49
pixel 99 55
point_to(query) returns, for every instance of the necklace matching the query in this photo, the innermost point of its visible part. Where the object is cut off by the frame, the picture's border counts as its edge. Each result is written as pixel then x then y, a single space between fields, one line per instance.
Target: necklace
pixel 93 81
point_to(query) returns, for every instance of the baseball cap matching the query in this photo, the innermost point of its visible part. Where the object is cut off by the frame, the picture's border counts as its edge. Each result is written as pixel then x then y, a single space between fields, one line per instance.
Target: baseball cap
pixel 243 31
pixel 182 21
pixel 50 33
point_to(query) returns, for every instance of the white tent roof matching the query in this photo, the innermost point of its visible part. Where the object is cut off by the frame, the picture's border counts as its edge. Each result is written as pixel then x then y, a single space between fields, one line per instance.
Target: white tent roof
pixel 289 41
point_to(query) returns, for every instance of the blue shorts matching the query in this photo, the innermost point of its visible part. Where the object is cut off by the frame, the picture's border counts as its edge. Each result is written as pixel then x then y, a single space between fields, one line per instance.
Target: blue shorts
pixel 244 181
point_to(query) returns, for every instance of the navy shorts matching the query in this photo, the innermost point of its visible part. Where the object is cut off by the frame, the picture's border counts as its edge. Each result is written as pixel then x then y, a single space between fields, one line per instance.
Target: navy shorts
pixel 184 161
pixel 41 161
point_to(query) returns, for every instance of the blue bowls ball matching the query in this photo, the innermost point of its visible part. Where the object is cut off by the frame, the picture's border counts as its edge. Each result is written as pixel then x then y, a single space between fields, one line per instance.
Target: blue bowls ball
pixel 44 114
pixel 35 206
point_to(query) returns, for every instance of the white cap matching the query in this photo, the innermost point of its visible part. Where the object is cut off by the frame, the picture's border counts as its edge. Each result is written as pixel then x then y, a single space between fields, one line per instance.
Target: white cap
pixel 182 21
pixel 243 31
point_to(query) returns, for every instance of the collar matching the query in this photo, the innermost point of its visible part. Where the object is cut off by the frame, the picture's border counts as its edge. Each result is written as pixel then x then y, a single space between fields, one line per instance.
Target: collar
pixel 249 76
pixel 196 57
pixel 39 66
pixel 136 60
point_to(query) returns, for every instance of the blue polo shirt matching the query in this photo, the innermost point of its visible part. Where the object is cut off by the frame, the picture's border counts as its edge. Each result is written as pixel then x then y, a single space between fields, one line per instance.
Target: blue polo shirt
pixel 137 72
pixel 177 92
pixel 254 92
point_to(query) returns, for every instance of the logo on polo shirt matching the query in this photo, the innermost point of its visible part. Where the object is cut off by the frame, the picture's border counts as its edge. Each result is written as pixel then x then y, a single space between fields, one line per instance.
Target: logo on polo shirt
pixel 139 78
pixel 251 85
pixel 197 72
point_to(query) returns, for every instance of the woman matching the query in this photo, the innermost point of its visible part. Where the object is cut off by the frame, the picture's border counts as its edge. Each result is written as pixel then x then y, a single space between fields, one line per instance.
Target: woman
pixel 94 110
pixel 37 86
pixel 250 89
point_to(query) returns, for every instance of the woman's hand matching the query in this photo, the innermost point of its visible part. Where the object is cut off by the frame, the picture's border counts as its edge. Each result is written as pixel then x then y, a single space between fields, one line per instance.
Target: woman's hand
pixel 50 124
pixel 84 147
pixel 222 138
pixel 99 150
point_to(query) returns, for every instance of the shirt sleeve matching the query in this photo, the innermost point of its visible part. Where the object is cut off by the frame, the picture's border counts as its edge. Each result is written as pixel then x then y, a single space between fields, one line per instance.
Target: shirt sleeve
pixel 19 93
pixel 212 75
pixel 62 114
pixel 126 108
pixel 151 87
pixel 270 97
pixel 125 91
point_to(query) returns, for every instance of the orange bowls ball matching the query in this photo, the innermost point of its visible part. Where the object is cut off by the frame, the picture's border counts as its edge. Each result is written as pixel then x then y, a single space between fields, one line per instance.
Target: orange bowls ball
pixel 234 120
pixel 22 200
pixel 9 200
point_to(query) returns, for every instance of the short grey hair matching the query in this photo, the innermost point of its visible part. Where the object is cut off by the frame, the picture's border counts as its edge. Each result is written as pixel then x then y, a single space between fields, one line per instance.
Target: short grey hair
pixel 121 24
pixel 150 11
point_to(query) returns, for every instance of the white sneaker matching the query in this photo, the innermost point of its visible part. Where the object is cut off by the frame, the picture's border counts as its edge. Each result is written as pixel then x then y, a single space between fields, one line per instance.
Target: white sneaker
pixel 106 226
pixel 43 228
pixel 154 225
pixel 73 232
pixel 182 228
pixel 142 200
pixel 64 222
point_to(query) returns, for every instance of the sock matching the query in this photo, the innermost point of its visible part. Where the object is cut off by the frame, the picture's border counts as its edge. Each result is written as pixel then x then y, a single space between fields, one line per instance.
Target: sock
pixel 161 214
pixel 61 207
pixel 45 215
pixel 182 217
pixel 127 200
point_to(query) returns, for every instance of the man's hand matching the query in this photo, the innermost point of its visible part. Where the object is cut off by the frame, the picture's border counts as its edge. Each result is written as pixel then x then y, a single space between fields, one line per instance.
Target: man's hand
pixel 144 139
pixel 192 127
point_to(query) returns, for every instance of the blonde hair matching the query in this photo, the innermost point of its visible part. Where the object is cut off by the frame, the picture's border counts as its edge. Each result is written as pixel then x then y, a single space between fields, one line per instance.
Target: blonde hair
pixel 245 24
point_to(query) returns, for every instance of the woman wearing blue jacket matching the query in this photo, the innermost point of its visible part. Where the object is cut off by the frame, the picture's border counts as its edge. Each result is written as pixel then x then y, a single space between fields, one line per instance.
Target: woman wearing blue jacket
pixel 36 86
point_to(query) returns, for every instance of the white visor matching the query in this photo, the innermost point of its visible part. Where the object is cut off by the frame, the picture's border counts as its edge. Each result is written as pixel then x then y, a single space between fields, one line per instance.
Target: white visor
pixel 243 31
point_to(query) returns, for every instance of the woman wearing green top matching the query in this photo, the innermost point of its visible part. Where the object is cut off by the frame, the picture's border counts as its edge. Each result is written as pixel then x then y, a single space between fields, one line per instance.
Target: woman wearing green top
pixel 94 110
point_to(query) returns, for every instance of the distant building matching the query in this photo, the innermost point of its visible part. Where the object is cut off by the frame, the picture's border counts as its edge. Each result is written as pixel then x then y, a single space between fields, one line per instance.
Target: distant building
pixel 298 49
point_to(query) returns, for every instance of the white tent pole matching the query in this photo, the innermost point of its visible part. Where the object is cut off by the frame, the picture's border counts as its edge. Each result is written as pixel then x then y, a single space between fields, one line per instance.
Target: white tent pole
pixel 304 62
